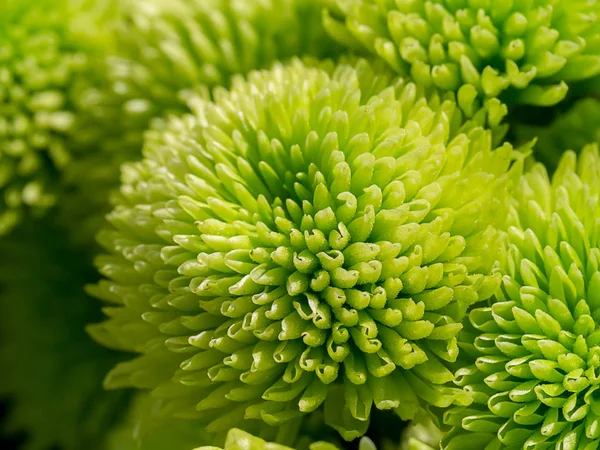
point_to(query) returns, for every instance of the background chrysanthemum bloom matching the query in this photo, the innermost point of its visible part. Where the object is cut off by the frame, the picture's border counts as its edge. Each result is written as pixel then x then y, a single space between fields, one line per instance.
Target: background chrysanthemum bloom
pixel 570 130
pixel 528 51
pixel 46 55
pixel 50 369
pixel 310 237
pixel 141 431
pixel 535 377
pixel 170 51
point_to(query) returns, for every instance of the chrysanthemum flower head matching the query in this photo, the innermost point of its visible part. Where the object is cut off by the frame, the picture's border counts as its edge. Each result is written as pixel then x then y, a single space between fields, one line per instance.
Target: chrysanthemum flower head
pixel 169 52
pixel 51 371
pixel 310 237
pixel 536 350
pixel 44 66
pixel 529 51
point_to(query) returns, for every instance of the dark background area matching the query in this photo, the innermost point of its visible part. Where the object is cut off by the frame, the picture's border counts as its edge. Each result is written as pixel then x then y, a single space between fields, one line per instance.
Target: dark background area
pixel 385 425
pixel 7 442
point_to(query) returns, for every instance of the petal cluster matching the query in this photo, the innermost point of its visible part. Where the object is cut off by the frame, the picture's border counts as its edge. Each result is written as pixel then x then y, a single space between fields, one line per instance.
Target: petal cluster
pixel 240 440
pixel 143 430
pixel 311 236
pixel 536 350
pixel 528 51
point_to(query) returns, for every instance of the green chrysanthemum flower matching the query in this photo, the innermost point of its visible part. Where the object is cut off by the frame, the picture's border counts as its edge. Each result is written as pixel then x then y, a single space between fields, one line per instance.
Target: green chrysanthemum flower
pixel 571 130
pixel 45 65
pixel 170 51
pixel 421 435
pixel 240 440
pixel 175 45
pixel 535 381
pixel 311 236
pixel 529 51
pixel 49 368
